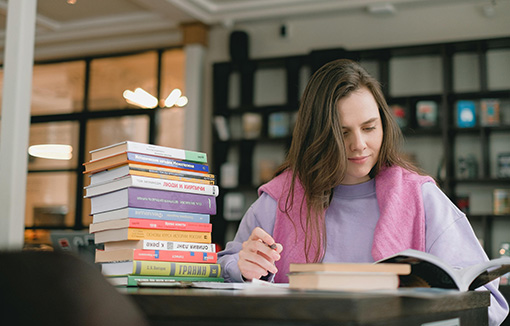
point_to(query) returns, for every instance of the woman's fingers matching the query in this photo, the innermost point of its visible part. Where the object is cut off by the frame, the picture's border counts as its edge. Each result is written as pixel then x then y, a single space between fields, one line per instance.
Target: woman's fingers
pixel 257 257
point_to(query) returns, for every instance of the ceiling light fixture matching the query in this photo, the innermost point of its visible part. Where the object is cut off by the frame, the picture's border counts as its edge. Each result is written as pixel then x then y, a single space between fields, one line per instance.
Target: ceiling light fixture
pixel 51 151
pixel 144 99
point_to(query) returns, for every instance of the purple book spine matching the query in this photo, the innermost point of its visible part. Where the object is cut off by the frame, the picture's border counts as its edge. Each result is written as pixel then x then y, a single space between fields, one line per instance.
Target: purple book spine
pixel 171 200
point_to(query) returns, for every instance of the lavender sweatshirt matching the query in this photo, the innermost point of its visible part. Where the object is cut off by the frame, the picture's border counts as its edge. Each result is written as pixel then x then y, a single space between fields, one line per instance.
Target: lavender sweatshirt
pixel 350 223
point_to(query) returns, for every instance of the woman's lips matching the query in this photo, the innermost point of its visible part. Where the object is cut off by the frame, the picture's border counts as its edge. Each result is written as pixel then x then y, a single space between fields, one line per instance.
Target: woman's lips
pixel 358 159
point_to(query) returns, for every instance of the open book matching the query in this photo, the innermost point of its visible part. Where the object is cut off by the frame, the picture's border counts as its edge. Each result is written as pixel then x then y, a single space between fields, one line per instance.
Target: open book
pixel 428 270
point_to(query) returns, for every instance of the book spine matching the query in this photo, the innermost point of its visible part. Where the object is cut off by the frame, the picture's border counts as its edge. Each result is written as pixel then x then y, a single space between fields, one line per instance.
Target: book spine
pixel 153 234
pixel 169 170
pixel 163 268
pixel 162 161
pixel 179 186
pixel 179 246
pixel 175 256
pixel 169 225
pixel 168 215
pixel 169 235
pixel 131 212
pixel 134 280
pixel 171 176
pixel 169 152
pixel 171 200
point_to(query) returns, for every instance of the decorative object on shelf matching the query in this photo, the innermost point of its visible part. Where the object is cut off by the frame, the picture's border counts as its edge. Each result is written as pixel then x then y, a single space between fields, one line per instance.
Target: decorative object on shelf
pixel 467 167
pixel 252 125
pixel 466 114
pixel 489 112
pixel 278 124
pixel 426 113
pixel 501 201
pixel 503 165
pixel 400 115
pixel 229 173
pixel 504 250
pixel 234 206
pixel 462 203
pixel 266 170
pixel 221 125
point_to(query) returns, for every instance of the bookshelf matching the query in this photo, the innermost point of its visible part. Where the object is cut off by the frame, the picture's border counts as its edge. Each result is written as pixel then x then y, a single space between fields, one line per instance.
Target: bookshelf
pixel 442 73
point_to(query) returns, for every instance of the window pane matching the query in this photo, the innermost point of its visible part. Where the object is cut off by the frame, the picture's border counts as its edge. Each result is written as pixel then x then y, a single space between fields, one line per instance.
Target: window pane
pixel 104 132
pixel 65 133
pixel 110 77
pixel 50 199
pixel 173 68
pixel 58 88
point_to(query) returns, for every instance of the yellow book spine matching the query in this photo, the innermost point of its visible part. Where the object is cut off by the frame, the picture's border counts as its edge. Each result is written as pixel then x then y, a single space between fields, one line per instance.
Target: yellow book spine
pixel 169 235
pixel 164 268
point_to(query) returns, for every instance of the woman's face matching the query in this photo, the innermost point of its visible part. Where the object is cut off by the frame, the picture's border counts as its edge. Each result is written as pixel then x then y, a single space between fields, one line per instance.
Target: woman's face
pixel 362 132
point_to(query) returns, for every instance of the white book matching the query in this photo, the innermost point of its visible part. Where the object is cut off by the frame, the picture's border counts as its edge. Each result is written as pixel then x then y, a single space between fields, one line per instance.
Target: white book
pixel 151 183
pixel 159 245
pixel 163 151
pixel 428 270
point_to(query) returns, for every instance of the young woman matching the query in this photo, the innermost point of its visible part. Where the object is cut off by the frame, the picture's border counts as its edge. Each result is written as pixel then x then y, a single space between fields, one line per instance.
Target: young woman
pixel 346 193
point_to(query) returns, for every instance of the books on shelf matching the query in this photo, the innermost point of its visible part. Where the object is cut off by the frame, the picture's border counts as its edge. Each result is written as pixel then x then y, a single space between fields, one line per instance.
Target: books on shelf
pixel 149 244
pixel 153 199
pixel 501 201
pixel 278 124
pixel 151 183
pixel 426 113
pixel 466 114
pixel 130 157
pixel 428 270
pixel 132 212
pixel 161 268
pixel 141 223
pixel 151 171
pixel 503 163
pixel 103 256
pixel 131 146
pixel 345 276
pixel 489 112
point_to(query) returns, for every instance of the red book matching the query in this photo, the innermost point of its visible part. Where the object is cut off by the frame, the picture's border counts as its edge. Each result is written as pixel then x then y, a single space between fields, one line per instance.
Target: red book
pixel 143 223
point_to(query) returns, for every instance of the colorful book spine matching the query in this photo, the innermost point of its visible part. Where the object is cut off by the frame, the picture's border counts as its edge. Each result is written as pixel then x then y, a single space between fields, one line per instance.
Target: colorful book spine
pixel 141 223
pixel 141 234
pixel 154 199
pixel 162 161
pixel 163 268
pixel 171 176
pixel 160 245
pixel 156 255
pixel 150 149
pixel 135 280
pixel 170 171
pixel 151 183
pixel 131 212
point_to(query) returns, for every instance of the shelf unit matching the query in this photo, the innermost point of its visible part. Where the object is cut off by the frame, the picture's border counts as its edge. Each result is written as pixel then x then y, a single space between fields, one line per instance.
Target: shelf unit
pixel 450 79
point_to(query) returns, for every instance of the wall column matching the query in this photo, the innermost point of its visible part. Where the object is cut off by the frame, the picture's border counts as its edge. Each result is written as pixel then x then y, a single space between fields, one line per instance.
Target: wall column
pixel 195 46
pixel 15 120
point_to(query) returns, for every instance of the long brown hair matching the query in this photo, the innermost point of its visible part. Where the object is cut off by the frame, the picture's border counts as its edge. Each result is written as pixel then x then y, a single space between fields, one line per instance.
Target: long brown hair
pixel 317 156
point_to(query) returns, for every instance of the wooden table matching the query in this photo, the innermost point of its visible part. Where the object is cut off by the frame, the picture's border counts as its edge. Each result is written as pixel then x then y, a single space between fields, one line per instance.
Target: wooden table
pixel 172 306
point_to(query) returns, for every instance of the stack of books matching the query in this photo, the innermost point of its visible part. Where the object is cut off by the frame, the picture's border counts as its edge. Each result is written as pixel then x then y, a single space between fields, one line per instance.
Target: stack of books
pixel 151 208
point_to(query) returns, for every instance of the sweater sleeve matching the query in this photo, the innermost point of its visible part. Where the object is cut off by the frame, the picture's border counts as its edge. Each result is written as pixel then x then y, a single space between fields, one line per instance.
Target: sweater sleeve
pixel 450 237
pixel 261 213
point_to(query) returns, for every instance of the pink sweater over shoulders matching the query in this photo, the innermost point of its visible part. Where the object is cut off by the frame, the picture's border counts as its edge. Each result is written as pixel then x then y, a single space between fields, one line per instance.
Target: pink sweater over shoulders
pixel 401 222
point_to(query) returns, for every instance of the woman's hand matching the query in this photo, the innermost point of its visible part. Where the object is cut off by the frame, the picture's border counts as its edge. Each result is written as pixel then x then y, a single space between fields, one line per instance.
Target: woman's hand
pixel 257 258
